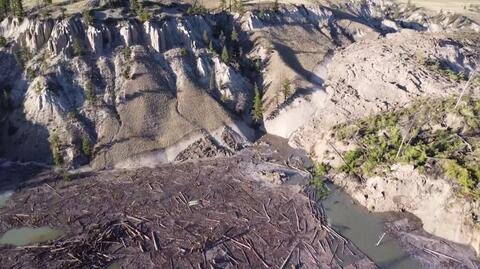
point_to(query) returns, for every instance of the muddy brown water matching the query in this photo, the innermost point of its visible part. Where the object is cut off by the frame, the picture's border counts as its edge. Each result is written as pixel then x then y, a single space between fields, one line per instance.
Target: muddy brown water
pixel 26 236
pixel 365 229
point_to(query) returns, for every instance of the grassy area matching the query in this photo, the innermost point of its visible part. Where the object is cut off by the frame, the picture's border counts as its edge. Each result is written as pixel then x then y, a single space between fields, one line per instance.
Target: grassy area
pixel 422 135
pixel 319 172
pixel 464 7
pixel 441 68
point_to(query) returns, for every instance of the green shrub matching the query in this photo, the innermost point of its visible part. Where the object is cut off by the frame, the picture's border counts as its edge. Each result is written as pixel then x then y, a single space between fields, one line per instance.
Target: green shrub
pixel 416 155
pixel 3 41
pixel 462 175
pixel 318 181
pixel 183 52
pixel 437 66
pixel 321 169
pixel 352 161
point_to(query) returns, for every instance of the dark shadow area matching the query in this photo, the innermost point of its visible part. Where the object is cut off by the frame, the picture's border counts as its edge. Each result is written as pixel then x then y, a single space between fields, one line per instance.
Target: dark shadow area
pixel 15 176
pixel 288 55
pixel 20 139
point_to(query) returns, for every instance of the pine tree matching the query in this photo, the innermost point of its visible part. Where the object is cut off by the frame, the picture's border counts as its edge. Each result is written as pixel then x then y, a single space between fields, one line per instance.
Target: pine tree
pixel 77 47
pixel 135 5
pixel 4 8
pixel 210 47
pixel 86 146
pixel 222 37
pixel 261 14
pixel 257 109
pixel 276 6
pixel 223 4
pixel 127 53
pixel 17 8
pixel 90 92
pixel 286 89
pixel 213 83
pixel 234 35
pixel 205 37
pixel 3 41
pixel 238 6
pixel 88 16
pixel 225 57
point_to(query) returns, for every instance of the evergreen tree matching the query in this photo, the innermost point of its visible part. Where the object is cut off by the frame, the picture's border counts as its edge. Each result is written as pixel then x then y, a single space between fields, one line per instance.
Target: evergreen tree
pixel 88 16
pixel 223 4
pixel 3 41
pixel 127 53
pixel 90 92
pixel 205 37
pixel 276 6
pixel 4 8
pixel 261 14
pixel 222 37
pixel 86 146
pixel 213 83
pixel 135 5
pixel 17 8
pixel 238 6
pixel 286 89
pixel 77 47
pixel 210 47
pixel 144 15
pixel 234 35
pixel 225 57
pixel 257 109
